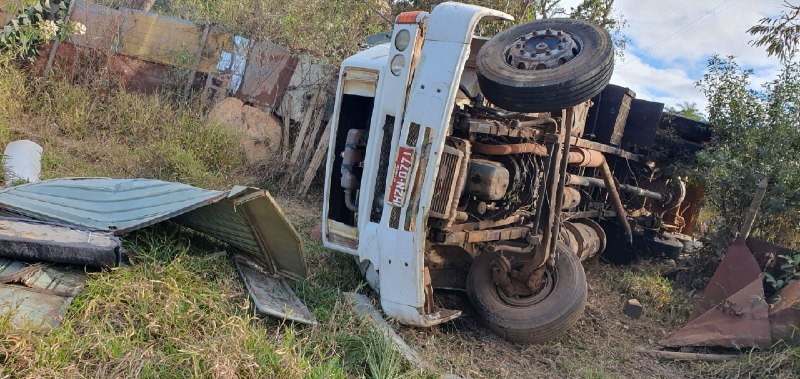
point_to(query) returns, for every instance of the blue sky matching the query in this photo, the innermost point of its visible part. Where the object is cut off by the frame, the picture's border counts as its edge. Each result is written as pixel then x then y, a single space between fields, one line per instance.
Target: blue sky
pixel 670 42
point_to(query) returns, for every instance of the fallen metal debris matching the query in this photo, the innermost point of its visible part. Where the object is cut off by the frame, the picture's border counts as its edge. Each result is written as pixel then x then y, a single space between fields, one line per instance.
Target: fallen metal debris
pixel 37 295
pixel 115 205
pixel 784 317
pixel 732 311
pixel 39 241
pixel 248 219
pixel 270 293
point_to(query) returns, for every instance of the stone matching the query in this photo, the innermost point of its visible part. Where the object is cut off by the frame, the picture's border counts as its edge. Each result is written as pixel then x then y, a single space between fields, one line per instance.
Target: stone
pixel 260 131
pixel 633 308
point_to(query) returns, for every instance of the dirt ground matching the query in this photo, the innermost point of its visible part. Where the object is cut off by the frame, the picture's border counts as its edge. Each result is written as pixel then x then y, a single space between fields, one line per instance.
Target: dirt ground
pixel 602 345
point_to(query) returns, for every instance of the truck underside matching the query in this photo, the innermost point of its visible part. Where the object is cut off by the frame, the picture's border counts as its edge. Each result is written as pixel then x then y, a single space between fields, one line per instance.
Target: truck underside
pixel 495 166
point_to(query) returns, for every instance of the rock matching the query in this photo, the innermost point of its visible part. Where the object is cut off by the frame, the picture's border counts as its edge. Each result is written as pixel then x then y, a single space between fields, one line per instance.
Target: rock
pixel 263 128
pixel 633 308
pixel 261 132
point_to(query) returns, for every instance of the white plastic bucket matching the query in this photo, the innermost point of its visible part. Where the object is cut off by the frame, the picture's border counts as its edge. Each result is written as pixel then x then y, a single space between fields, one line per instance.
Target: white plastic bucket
pixel 22 162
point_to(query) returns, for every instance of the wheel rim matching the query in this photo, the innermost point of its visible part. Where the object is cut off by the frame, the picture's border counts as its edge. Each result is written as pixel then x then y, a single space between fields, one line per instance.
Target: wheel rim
pixel 541 50
pixel 548 284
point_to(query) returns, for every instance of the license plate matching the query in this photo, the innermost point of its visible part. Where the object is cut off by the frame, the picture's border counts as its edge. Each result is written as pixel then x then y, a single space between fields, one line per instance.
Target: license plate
pixel 401 177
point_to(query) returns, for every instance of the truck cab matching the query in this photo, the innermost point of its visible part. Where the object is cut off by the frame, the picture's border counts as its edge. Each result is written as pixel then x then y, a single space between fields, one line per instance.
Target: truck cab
pixel 462 162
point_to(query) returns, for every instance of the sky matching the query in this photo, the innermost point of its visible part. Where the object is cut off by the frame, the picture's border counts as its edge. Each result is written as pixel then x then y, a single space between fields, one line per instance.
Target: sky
pixel 670 42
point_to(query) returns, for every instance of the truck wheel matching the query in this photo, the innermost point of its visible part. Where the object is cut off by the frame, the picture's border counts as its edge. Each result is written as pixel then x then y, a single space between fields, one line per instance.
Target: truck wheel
pixel 545 65
pixel 540 317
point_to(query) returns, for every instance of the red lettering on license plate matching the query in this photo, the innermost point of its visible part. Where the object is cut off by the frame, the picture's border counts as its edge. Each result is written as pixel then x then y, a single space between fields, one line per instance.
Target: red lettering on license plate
pixel 402 174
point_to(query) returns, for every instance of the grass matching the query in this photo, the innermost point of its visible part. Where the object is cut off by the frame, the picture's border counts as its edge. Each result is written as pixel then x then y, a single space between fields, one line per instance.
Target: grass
pixel 179 310
pixel 650 288
pixel 91 131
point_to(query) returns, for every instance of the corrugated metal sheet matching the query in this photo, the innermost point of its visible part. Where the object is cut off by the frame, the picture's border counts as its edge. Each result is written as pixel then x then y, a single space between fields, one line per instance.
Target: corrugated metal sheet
pixel 269 70
pixel 41 294
pixel 117 205
pixel 250 220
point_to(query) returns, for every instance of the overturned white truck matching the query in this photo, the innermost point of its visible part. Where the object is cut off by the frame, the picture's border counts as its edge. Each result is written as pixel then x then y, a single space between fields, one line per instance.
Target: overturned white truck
pixel 463 162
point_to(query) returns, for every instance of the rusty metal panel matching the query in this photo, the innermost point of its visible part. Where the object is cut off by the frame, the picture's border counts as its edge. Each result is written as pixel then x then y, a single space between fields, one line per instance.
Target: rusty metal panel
pixel 784 316
pixel 269 70
pixel 116 205
pixel 159 39
pixel 737 270
pixel 250 220
pixel 102 25
pixel 732 311
pixel 767 255
pixel 741 320
pixel 38 241
pixel 37 295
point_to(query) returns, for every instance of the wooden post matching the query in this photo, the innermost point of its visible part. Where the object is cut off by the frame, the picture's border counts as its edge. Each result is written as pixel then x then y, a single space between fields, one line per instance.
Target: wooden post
pixel 301 135
pixel 680 356
pixel 316 161
pixel 197 56
pixel 755 205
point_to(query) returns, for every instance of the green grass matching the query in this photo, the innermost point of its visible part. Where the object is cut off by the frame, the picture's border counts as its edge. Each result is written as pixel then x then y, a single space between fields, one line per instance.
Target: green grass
pixel 102 130
pixel 179 311
pixel 651 289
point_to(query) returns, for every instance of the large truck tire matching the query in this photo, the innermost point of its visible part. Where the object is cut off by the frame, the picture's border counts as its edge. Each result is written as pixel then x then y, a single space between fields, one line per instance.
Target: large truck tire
pixel 556 312
pixel 545 65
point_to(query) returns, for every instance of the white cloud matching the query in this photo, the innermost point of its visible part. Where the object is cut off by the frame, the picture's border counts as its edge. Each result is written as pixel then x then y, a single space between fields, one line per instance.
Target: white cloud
pixel 670 42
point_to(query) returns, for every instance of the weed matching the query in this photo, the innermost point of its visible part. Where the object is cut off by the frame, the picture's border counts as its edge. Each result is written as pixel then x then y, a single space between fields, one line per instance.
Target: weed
pixel 650 288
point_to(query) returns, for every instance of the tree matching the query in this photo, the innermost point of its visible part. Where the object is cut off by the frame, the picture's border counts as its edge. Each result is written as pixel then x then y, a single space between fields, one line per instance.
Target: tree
pixel 756 135
pixel 688 110
pixel 780 35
